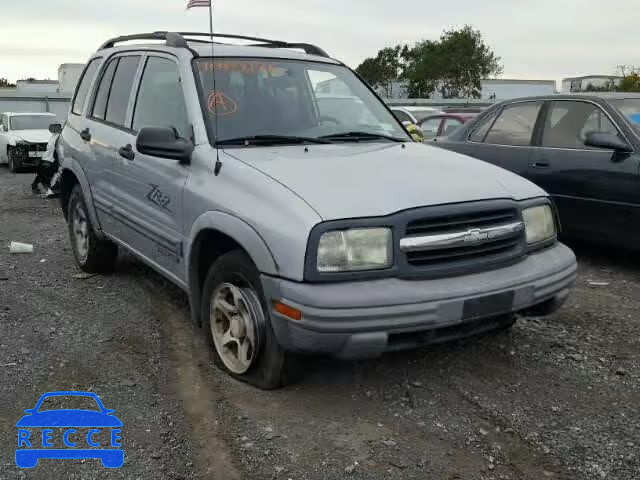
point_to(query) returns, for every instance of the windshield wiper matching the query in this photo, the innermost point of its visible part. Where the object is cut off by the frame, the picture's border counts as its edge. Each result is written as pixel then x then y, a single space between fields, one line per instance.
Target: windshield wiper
pixel 271 140
pixel 357 136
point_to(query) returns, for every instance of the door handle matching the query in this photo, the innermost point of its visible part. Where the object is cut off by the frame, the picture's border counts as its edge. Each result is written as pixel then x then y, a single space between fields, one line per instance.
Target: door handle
pixel 127 152
pixel 85 135
pixel 540 165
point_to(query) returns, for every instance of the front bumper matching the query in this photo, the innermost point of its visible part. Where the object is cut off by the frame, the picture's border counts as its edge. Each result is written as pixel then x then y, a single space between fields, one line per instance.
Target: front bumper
pixel 367 318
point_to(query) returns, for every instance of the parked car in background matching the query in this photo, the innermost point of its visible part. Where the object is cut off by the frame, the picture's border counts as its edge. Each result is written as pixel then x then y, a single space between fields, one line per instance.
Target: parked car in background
pixel 584 150
pixel 294 226
pixel 443 125
pixel 413 115
pixel 23 138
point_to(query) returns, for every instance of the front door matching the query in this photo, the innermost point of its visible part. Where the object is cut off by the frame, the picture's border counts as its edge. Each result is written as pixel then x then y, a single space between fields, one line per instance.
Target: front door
pixel 593 188
pixel 148 190
pixel 504 138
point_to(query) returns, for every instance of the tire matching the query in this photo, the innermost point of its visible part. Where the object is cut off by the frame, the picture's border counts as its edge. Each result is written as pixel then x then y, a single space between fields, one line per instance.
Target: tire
pixel 14 162
pixel 92 254
pixel 234 279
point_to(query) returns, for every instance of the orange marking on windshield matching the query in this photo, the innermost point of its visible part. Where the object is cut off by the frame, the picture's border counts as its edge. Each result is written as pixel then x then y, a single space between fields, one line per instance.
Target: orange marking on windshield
pixel 221 105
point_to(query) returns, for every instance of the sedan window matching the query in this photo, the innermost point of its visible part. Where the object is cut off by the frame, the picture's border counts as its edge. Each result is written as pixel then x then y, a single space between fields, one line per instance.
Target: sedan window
pixel 569 122
pixel 515 125
pixel 402 116
pixel 430 127
pixel 450 126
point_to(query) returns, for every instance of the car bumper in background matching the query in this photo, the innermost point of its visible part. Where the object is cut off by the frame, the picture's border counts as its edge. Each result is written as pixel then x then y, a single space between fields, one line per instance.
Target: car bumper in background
pixel 367 318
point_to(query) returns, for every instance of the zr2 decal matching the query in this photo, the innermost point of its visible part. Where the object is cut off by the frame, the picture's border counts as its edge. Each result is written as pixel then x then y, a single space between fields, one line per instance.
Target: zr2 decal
pixel 158 198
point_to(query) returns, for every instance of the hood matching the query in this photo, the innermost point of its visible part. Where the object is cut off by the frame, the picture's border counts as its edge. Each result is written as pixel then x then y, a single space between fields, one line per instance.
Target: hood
pixel 365 180
pixel 32 136
pixel 69 418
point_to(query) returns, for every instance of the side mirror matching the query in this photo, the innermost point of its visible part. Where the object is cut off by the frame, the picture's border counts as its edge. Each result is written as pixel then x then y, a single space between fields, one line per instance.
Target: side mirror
pixel 164 142
pixel 55 128
pixel 607 141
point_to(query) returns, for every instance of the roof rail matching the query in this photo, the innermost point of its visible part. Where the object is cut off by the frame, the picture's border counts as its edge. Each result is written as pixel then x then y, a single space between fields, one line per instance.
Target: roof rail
pixel 178 40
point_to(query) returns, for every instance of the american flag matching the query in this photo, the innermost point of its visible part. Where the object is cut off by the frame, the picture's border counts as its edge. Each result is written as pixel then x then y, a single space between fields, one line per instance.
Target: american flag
pixel 198 3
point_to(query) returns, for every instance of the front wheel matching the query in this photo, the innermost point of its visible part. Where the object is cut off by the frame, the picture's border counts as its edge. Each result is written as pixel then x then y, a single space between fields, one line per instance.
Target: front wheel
pixel 14 161
pixel 93 255
pixel 237 325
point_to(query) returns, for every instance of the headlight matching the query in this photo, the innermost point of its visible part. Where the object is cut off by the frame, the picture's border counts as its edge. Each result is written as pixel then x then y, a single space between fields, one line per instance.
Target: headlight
pixel 355 250
pixel 539 223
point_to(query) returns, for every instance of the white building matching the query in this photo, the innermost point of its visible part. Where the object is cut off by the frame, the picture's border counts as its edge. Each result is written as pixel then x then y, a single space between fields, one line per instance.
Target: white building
pixel 581 84
pixel 506 89
pixel 69 76
pixel 37 86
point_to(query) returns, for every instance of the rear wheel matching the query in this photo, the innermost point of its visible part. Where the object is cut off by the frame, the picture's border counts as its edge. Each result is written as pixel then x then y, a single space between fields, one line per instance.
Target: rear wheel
pixel 14 161
pixel 93 255
pixel 237 325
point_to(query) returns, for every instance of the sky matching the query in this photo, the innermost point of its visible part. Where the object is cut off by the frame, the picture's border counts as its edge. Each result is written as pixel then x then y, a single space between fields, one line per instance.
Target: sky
pixel 536 39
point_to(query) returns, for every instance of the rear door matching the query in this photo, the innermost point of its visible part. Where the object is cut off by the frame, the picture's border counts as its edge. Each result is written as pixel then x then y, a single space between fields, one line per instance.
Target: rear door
pixel 503 138
pixel 148 190
pixel 107 125
pixel 594 188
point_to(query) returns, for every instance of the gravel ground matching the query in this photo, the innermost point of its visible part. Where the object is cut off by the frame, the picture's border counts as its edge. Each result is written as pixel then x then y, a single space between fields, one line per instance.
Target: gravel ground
pixel 554 398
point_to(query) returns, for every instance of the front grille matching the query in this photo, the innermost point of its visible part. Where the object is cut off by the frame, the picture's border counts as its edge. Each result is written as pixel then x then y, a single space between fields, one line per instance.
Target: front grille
pixel 464 258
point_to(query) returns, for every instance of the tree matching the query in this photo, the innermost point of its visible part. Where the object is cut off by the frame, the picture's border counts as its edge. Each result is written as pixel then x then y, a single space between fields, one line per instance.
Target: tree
pixel 454 65
pixel 630 79
pixel 383 70
pixel 4 83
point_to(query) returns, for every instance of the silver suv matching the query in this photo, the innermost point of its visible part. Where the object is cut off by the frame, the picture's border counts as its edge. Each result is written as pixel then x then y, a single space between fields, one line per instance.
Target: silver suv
pixel 295 224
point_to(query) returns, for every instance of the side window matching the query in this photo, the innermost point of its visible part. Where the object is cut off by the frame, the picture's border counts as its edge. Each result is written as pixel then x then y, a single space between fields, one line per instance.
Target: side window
pixel 480 132
pixel 121 90
pixel 402 116
pixel 160 100
pixel 430 127
pixel 450 126
pixel 83 86
pixel 99 110
pixel 569 122
pixel 515 125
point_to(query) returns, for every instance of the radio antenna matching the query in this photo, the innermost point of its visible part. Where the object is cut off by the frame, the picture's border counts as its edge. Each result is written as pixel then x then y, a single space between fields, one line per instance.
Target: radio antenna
pixel 218 166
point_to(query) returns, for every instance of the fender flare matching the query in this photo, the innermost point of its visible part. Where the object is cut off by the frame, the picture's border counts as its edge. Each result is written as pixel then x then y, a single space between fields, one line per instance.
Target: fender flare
pixel 242 233
pixel 71 165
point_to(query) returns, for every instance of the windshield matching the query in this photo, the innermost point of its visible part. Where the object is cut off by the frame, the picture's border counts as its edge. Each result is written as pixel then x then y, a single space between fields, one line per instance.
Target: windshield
pixel 254 97
pixel 630 108
pixel 32 122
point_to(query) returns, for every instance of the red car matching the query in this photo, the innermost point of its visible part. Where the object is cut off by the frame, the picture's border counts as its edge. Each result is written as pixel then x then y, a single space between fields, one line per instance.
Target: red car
pixel 443 125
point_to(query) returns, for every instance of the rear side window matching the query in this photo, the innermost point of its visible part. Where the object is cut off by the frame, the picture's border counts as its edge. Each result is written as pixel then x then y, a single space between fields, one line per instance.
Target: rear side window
pixel 83 86
pixel 121 90
pixel 515 125
pixel 161 99
pixel 569 122
pixel 102 96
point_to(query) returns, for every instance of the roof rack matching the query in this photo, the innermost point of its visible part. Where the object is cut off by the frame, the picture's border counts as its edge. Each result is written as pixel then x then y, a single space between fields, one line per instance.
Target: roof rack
pixel 178 40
